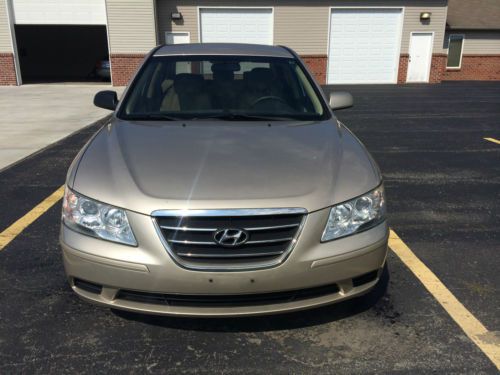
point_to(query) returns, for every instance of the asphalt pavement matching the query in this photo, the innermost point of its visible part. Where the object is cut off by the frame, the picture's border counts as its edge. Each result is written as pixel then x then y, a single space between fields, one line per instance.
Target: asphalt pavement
pixel 443 188
pixel 35 116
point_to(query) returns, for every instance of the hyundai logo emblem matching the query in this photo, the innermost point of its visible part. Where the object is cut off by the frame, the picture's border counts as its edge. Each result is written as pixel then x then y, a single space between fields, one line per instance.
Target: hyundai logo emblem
pixel 231 237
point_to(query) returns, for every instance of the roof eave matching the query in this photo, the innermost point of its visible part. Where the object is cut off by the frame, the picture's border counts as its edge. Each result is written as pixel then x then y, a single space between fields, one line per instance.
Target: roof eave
pixel 472 28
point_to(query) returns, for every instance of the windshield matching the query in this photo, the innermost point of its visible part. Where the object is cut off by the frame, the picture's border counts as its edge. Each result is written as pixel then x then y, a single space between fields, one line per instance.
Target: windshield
pixel 225 87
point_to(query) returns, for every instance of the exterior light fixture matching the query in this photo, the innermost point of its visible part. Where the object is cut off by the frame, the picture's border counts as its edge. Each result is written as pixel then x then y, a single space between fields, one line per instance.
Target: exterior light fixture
pixel 425 16
pixel 176 16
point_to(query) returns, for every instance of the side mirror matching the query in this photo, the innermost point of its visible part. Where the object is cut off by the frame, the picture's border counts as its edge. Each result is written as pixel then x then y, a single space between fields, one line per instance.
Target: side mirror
pixel 341 100
pixel 106 99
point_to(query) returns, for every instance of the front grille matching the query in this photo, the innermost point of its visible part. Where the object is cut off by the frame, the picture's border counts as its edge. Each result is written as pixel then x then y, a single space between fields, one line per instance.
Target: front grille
pixel 269 238
pixel 221 300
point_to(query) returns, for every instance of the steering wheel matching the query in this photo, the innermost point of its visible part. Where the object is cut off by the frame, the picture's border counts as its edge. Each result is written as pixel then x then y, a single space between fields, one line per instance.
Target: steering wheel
pixel 269 98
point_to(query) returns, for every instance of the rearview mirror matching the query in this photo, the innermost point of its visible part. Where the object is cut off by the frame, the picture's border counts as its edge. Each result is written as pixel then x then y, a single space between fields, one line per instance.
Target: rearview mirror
pixel 106 99
pixel 341 100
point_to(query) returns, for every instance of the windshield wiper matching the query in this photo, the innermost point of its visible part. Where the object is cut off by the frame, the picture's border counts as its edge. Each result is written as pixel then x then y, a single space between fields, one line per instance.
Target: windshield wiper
pixel 153 116
pixel 229 116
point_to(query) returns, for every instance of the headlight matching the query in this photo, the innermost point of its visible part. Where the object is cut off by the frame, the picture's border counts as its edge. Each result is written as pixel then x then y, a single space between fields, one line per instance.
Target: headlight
pixel 96 219
pixel 355 215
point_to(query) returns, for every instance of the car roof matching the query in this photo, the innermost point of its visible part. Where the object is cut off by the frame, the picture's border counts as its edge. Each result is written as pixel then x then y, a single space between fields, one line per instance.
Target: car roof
pixel 228 49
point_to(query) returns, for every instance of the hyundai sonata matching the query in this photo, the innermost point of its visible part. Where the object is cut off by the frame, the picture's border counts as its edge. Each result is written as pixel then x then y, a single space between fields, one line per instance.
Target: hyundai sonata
pixel 223 185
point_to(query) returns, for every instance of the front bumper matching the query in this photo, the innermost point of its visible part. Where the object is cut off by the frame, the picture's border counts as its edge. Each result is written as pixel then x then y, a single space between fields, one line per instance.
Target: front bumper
pixel 116 270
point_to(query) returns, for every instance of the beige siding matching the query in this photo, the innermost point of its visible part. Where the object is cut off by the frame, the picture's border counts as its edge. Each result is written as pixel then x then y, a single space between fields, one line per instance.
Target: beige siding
pixel 303 28
pixel 289 25
pixel 437 24
pixel 5 39
pixel 479 42
pixel 131 25
pixel 304 24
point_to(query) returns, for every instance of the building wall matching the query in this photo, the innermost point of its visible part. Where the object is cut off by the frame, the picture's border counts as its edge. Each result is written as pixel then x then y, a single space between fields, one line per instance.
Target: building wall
pixel 480 56
pixel 7 67
pixel 304 25
pixel 132 33
pixel 5 39
pixel 478 42
pixel 136 26
pixel 411 21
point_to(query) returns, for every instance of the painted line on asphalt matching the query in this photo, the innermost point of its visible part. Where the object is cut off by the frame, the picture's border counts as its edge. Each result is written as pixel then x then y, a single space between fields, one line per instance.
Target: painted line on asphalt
pixel 473 328
pixel 15 229
pixel 492 140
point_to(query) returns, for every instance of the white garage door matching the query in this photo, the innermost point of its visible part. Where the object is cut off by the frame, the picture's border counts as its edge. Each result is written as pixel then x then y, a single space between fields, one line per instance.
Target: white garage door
pixel 59 12
pixel 364 45
pixel 236 25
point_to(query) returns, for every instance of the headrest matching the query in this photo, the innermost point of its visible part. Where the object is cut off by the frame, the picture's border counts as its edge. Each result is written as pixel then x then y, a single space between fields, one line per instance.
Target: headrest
pixel 223 75
pixel 187 81
pixel 261 74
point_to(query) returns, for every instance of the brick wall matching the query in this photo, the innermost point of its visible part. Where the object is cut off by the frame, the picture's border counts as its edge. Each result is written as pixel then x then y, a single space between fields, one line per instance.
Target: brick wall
pixel 7 70
pixel 123 67
pixel 438 67
pixel 403 68
pixel 317 64
pixel 476 67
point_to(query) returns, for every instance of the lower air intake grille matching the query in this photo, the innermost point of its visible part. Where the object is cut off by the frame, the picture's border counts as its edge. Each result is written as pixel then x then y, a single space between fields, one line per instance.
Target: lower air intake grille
pixel 88 286
pixel 227 300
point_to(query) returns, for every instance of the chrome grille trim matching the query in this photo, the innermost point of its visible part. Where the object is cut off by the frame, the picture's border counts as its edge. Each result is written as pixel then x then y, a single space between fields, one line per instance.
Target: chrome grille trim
pixel 241 255
pixel 186 229
pixel 271 241
pixel 230 212
pixel 273 227
pixel 186 242
pixel 271 257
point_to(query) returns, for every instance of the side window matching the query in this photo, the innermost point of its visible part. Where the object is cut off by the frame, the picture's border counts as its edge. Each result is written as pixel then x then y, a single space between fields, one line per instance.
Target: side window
pixel 455 47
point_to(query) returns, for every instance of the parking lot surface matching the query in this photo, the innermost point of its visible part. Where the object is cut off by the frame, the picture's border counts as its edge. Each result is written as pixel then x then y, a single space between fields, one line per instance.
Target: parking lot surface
pixel 34 116
pixel 443 187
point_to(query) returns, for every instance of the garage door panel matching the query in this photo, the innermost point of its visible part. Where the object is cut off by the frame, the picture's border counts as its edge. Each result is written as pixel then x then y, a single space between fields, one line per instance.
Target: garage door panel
pixel 236 25
pixel 59 12
pixel 364 44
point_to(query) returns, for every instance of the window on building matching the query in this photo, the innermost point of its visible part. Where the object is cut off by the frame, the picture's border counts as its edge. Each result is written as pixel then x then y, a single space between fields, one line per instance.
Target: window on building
pixel 455 46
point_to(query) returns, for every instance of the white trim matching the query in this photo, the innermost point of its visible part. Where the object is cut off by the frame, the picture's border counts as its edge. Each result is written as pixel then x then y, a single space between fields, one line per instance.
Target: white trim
pixel 109 44
pixel 461 52
pixel 199 8
pixel 188 33
pixel 428 75
pixel 13 42
pixel 155 15
pixel 399 41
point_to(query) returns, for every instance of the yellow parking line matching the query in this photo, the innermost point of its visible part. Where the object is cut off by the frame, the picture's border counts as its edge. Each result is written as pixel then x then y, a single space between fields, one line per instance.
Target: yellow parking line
pixel 472 327
pixel 492 140
pixel 15 229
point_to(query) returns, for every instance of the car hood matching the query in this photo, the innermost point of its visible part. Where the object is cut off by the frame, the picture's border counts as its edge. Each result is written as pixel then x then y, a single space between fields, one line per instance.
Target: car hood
pixel 148 166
